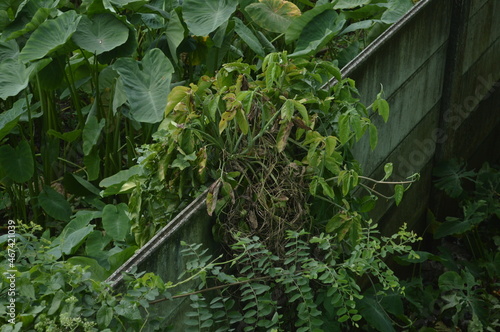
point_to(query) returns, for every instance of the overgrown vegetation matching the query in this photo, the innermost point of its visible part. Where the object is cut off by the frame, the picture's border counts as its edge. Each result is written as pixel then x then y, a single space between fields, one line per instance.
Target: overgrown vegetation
pixel 117 113
pixel 457 286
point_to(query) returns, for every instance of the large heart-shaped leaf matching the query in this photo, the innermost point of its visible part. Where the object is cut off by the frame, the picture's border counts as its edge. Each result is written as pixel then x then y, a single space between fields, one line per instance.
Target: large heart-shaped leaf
pixel 50 36
pixel 319 32
pixel 373 312
pixel 78 186
pixel 203 17
pixel 101 34
pixel 17 163
pixel 115 221
pixel 14 77
pixel 38 18
pixel 98 272
pixel 96 242
pixel 74 240
pixel 273 15
pixel 147 84
pixel 54 204
pixel 66 241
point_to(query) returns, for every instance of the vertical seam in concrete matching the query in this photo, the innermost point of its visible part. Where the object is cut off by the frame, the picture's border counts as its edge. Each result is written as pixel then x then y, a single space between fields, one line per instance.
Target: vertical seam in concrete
pixel 454 61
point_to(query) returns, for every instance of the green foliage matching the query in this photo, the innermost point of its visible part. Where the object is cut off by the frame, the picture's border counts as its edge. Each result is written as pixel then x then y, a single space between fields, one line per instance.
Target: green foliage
pixel 450 176
pixel 54 295
pixel 243 130
pixel 457 284
pixel 203 17
pixel 84 86
pixel 146 85
pixel 292 290
pixel 94 76
pixel 273 15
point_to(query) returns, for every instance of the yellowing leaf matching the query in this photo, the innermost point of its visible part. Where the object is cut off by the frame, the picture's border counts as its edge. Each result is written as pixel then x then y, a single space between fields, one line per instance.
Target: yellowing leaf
pixel 330 144
pixel 225 118
pixel 175 96
pixel 241 120
pixel 273 15
pixel 283 134
pixel 213 193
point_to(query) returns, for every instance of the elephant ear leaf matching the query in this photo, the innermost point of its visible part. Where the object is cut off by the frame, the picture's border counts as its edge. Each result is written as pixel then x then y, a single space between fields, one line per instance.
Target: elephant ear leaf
pixel 146 84
pixel 273 15
pixel 203 17
pixel 17 163
pixel 50 36
pixel 14 77
pixel 101 34
pixel 54 204
pixel 116 221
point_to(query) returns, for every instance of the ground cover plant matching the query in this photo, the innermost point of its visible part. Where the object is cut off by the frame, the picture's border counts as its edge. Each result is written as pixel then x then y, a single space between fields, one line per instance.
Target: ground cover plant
pixel 457 285
pixel 95 153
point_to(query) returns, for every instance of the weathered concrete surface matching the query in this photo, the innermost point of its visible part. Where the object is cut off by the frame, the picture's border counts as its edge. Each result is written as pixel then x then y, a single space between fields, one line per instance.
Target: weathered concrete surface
pixel 436 66
pixel 162 255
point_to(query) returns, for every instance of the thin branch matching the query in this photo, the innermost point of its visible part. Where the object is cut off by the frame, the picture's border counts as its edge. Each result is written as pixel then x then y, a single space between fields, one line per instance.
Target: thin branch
pixel 373 190
pixel 208 289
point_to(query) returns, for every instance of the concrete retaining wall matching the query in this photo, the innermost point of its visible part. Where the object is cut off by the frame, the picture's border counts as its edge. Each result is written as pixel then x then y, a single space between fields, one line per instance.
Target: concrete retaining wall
pixel 439 67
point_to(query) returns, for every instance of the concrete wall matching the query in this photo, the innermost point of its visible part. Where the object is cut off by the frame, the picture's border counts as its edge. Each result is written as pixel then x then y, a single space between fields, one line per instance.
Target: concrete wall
pixel 438 67
pixel 162 255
